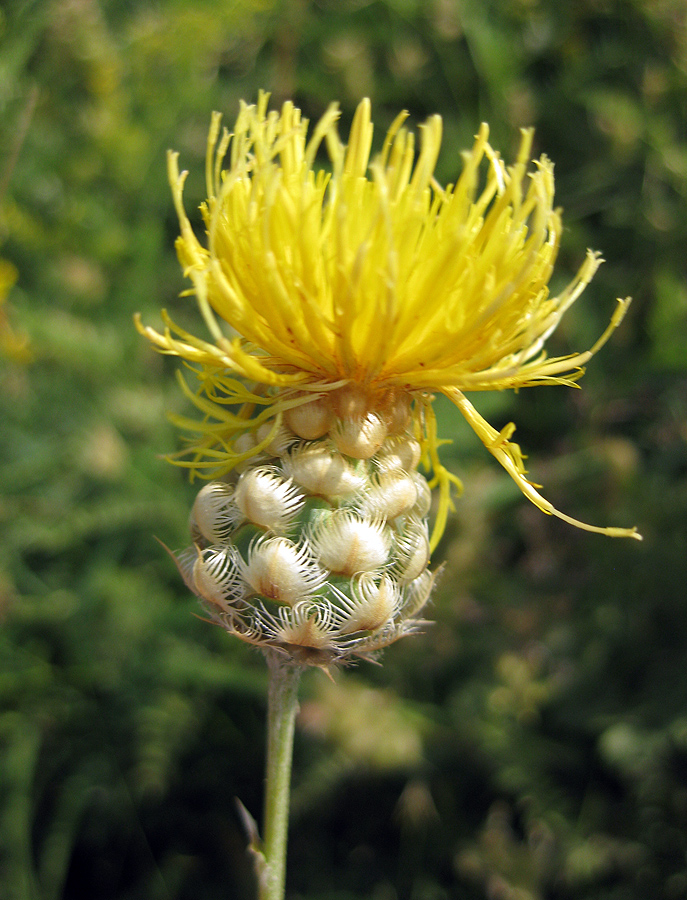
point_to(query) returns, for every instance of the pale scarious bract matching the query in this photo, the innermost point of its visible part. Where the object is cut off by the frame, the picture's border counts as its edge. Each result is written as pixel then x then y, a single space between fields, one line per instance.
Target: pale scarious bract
pixel 185 561
pixel 214 515
pixel 374 601
pixel 311 420
pixel 418 592
pixel 411 556
pixel 359 438
pixel 323 471
pixel 338 300
pixel 266 499
pixel 279 440
pixel 306 626
pixel 280 570
pixel 348 543
pixel 389 495
pixel 423 504
pixel 217 576
pixel 402 452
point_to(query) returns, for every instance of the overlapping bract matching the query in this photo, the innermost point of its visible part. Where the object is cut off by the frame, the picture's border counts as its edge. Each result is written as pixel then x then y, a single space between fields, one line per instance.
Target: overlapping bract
pixel 307 568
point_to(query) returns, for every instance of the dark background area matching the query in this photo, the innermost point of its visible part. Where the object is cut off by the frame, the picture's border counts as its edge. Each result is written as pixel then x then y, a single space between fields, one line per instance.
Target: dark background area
pixel 532 745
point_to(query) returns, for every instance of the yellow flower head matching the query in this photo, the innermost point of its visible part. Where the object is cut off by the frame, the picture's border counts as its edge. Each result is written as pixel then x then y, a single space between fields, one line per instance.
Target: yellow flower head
pixel 367 285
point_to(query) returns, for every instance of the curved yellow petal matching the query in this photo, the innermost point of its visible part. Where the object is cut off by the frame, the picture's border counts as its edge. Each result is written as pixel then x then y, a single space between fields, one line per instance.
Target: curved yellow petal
pixel 510 457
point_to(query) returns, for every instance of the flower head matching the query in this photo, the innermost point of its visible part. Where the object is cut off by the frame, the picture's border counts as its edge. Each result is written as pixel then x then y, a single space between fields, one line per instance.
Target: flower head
pixel 338 299
pixel 365 283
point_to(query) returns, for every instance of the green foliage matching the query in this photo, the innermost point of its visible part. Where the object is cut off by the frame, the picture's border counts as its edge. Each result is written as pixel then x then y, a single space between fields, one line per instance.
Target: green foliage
pixel 533 744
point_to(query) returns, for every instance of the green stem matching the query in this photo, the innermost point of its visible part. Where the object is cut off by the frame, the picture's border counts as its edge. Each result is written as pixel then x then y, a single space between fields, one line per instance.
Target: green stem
pixel 282 705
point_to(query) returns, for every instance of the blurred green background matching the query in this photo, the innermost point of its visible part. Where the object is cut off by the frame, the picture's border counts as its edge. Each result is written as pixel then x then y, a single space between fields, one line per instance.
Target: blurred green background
pixel 533 744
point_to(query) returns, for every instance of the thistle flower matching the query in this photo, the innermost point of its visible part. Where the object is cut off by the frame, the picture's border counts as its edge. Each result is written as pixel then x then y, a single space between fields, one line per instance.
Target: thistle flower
pixel 338 301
